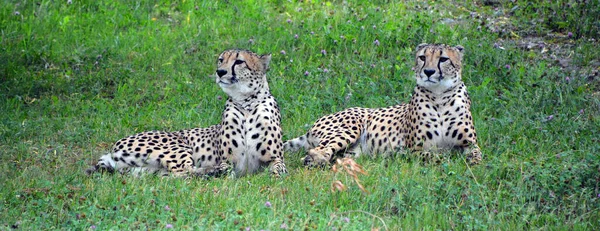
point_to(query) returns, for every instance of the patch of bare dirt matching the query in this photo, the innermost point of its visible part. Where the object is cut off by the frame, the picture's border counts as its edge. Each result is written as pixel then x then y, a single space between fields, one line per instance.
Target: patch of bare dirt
pixel 561 50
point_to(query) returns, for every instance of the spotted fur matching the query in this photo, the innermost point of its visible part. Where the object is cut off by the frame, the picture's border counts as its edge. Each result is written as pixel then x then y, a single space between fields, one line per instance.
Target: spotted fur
pixel 437 117
pixel 247 139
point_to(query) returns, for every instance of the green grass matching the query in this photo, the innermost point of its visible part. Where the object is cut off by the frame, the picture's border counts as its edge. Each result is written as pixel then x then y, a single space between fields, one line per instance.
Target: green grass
pixel 76 77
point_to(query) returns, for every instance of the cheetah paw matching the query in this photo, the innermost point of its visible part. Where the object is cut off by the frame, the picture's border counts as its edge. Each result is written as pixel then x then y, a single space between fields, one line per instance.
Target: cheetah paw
pixel 278 169
pixel 91 170
pixel 311 162
pixel 474 157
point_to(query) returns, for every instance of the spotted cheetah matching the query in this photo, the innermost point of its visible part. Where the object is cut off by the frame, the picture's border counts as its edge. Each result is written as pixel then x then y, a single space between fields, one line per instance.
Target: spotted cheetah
pixel 437 117
pixel 247 139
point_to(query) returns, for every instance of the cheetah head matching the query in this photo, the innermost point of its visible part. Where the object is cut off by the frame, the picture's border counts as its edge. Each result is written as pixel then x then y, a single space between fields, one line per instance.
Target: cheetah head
pixel 438 66
pixel 242 73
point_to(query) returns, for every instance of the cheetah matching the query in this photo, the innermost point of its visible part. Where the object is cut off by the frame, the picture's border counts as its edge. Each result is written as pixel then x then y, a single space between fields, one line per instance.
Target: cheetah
pixel 437 117
pixel 247 139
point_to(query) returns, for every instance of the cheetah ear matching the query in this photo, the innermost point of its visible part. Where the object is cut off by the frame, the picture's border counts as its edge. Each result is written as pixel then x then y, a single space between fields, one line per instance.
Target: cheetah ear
pixel 265 60
pixel 420 46
pixel 461 50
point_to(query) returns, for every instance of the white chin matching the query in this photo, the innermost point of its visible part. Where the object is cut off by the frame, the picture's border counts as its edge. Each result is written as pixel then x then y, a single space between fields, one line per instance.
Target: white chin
pixel 437 87
pixel 425 83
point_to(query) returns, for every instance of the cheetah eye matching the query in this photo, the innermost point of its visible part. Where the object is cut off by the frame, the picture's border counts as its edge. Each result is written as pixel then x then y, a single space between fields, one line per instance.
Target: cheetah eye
pixel 443 59
pixel 422 58
pixel 238 62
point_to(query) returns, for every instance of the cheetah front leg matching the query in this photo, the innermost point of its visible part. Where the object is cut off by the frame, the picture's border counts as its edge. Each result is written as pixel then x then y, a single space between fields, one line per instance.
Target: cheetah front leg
pixel 277 165
pixel 329 145
pixel 270 150
pixel 278 168
pixel 222 168
pixel 473 154
pixel 426 153
pixel 466 139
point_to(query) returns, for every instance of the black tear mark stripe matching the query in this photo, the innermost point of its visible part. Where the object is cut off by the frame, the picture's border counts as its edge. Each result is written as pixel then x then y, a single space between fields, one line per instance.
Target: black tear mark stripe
pixel 425 61
pixel 440 65
pixel 234 64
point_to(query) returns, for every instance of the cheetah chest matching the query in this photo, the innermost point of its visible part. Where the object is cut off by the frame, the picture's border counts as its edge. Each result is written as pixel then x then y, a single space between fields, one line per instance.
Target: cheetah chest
pixel 249 135
pixel 440 125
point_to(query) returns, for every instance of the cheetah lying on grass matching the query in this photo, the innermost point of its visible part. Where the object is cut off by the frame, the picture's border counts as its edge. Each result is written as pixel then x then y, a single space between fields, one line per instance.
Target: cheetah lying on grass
pixel 437 117
pixel 249 136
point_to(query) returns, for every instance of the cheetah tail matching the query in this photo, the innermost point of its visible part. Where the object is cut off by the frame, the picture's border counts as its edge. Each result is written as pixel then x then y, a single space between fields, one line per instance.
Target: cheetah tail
pixel 296 143
pixel 105 163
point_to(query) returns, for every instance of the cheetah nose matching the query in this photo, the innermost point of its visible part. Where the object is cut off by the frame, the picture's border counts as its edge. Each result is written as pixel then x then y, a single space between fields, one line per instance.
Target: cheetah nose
pixel 429 72
pixel 221 72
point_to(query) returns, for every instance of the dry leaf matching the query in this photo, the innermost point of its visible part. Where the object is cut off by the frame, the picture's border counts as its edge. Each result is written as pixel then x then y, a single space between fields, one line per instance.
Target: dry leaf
pixel 339 186
pixel 351 168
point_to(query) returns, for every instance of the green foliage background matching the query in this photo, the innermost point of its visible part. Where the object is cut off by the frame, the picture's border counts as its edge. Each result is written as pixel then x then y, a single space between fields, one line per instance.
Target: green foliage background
pixel 76 76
